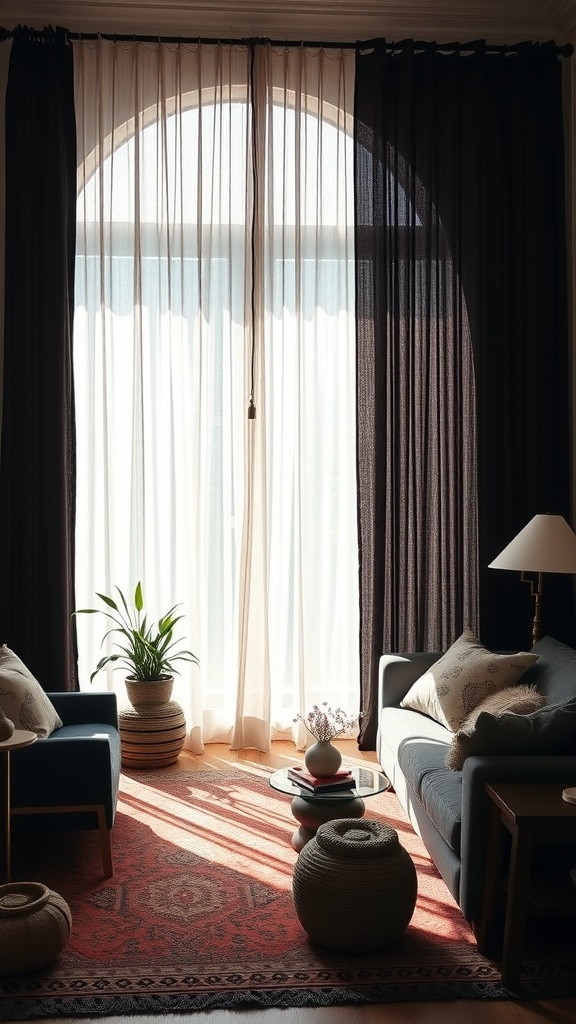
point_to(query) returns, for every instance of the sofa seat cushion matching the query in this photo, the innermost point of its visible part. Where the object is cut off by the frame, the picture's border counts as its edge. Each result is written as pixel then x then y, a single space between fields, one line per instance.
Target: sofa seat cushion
pixel 86 730
pixel 81 730
pixel 420 745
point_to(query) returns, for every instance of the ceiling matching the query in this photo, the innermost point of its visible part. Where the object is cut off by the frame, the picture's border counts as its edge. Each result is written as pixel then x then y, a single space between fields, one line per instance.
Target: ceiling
pixel 327 20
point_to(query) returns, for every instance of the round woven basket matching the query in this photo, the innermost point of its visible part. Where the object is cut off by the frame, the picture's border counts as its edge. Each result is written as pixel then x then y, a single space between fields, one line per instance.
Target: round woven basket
pixel 354 886
pixel 151 735
pixel 35 925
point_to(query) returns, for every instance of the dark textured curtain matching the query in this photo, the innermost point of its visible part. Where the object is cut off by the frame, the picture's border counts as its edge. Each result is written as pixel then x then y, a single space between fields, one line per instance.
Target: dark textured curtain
pixel 462 343
pixel 37 462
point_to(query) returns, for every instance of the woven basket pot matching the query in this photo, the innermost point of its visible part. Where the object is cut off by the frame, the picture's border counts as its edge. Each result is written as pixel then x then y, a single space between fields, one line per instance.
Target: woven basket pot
pixel 153 730
pixel 354 886
pixel 156 691
pixel 35 925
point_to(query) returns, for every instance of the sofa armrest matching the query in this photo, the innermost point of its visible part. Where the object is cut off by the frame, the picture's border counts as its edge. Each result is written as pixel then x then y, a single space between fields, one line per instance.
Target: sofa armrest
pixel 82 708
pixel 397 672
pixel 477 771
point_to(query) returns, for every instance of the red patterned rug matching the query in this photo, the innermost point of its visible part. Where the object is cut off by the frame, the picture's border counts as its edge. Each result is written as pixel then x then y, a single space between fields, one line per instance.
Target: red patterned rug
pixel 199 913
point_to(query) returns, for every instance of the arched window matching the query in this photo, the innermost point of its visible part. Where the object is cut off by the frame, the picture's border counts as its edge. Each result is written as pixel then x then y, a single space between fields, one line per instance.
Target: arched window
pixel 215 261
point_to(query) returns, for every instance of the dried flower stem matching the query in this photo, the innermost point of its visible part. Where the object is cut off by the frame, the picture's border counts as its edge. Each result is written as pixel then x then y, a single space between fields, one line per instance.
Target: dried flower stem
pixel 325 723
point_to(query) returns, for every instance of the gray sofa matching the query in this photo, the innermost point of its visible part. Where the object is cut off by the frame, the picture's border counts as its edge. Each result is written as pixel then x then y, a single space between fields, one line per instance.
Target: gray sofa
pixel 449 809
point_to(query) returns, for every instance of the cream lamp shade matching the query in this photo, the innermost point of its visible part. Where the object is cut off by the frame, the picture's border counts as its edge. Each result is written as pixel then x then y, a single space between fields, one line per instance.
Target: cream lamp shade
pixel 546 544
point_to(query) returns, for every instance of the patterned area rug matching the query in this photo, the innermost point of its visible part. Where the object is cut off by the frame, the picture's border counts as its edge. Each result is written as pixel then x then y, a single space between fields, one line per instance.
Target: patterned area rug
pixel 200 915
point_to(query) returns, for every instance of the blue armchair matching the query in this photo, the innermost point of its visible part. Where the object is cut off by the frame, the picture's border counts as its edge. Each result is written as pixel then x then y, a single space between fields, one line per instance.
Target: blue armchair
pixel 72 776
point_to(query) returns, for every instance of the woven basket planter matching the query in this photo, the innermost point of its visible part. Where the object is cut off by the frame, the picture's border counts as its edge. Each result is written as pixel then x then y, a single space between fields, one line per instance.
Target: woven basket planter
pixel 153 730
pixel 155 691
pixel 354 886
pixel 152 735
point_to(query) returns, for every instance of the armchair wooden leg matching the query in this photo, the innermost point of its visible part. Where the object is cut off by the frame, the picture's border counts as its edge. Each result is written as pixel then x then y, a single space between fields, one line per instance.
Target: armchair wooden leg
pixel 105 843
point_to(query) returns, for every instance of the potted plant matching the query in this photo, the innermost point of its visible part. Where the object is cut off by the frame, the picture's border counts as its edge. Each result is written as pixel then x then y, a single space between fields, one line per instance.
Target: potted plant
pixel 153 730
pixel 147 650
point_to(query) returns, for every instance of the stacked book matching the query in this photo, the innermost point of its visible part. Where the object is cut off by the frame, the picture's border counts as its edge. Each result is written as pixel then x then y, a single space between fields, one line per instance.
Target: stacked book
pixel 342 779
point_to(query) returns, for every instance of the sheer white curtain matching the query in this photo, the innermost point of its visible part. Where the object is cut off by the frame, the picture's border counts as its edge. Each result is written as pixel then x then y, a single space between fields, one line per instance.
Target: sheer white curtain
pixel 198 164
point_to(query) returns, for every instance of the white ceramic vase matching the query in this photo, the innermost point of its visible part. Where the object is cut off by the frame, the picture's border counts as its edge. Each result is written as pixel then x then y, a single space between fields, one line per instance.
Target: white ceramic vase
pixel 322 758
pixel 6 726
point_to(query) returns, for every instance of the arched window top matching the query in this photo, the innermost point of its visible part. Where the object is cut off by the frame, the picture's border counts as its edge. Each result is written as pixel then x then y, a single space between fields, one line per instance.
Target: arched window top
pixel 176 161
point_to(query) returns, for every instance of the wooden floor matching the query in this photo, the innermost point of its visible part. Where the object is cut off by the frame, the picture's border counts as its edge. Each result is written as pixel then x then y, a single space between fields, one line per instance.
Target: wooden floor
pixel 553 1011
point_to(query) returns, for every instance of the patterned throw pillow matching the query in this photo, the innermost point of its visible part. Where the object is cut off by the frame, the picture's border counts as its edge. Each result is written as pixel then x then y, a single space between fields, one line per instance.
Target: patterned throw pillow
pixel 521 700
pixel 463 677
pixel 22 698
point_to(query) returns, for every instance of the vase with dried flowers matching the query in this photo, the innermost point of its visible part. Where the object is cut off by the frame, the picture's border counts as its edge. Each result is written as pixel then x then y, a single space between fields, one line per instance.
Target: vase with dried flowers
pixel 324 723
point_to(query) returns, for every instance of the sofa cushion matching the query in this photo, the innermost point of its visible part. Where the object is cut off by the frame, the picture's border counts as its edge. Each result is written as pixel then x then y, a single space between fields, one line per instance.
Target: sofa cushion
pixel 551 730
pixel 22 698
pixel 419 745
pixel 554 674
pixel 521 700
pixel 463 677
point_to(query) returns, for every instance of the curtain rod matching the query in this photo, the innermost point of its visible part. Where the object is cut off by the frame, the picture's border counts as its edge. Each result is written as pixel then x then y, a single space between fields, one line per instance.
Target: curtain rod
pixel 475 46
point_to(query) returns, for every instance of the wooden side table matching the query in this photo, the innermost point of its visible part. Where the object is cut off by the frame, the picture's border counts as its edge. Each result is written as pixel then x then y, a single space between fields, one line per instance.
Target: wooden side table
pixel 533 814
pixel 19 738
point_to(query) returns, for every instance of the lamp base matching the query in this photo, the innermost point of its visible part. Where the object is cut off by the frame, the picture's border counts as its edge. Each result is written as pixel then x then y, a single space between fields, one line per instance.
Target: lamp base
pixel 536 593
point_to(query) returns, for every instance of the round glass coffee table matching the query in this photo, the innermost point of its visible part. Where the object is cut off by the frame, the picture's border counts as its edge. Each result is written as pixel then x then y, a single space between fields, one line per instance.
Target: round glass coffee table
pixel 313 809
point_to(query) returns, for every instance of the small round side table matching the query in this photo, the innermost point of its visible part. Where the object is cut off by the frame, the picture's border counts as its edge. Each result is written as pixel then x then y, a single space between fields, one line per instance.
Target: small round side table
pixel 19 738
pixel 314 809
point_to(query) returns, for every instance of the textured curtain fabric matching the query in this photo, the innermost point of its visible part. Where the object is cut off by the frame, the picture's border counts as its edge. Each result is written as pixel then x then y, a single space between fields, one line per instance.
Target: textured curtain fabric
pixel 462 342
pixel 37 465
pixel 4 59
pixel 215 267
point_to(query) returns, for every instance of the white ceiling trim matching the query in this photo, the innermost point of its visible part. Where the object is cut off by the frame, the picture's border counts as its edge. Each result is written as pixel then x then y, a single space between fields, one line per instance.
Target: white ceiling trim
pixel 341 20
pixel 566 21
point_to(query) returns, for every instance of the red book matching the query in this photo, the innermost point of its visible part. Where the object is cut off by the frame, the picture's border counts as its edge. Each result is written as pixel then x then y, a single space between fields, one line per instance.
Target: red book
pixel 342 779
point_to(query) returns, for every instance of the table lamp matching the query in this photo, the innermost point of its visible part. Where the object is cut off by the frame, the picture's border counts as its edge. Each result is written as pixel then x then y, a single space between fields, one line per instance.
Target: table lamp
pixel 546 544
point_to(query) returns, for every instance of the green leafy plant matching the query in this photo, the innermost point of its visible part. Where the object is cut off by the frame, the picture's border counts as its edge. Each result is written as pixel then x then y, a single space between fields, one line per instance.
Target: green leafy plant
pixel 148 651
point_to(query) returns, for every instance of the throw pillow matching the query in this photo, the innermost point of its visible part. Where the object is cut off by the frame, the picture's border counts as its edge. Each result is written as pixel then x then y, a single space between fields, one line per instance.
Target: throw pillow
pixel 551 730
pixel 555 671
pixel 463 677
pixel 521 700
pixel 22 698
